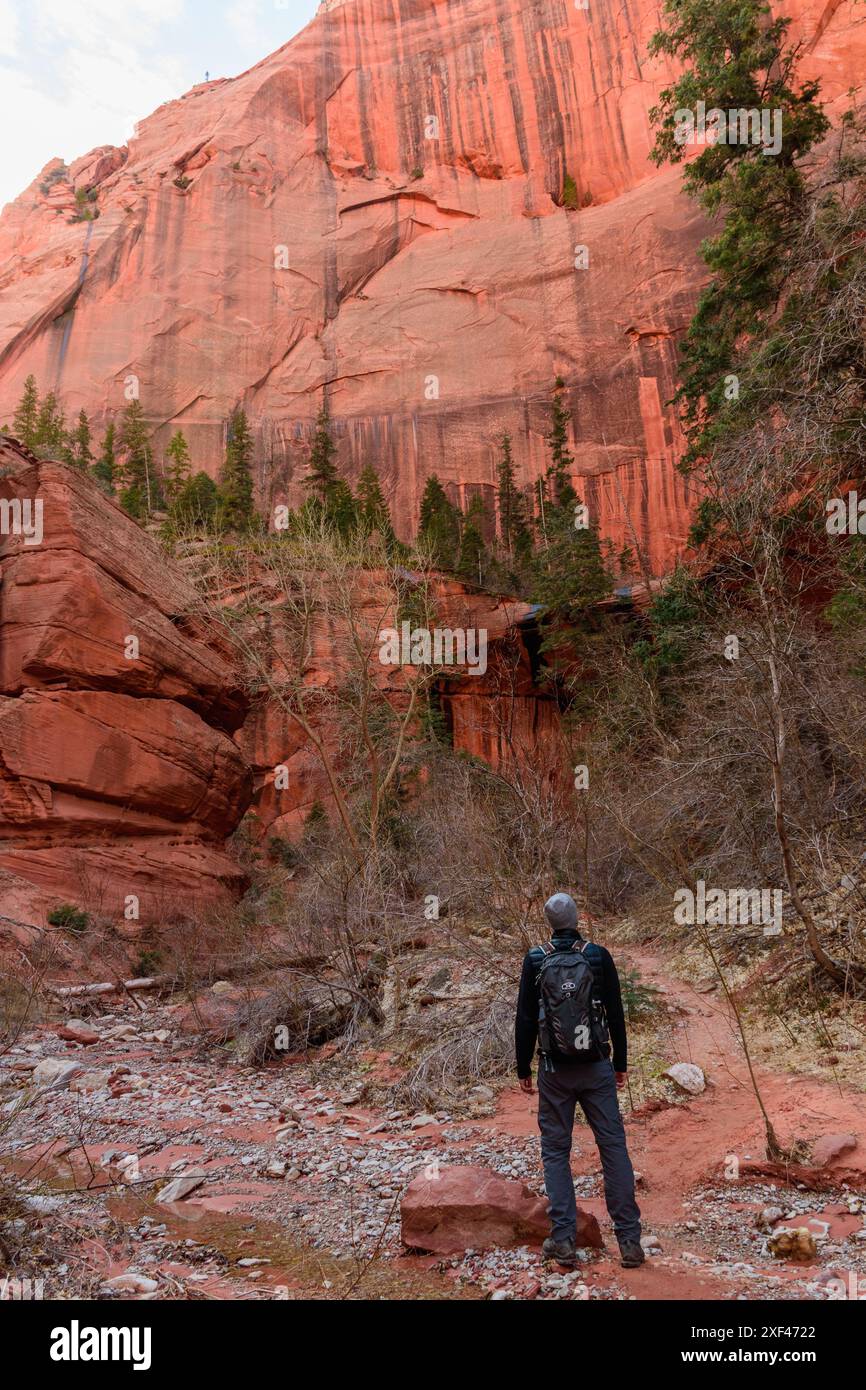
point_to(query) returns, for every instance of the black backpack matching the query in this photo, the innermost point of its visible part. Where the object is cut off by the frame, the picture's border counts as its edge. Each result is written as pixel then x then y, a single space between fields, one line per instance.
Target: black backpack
pixel 571 1018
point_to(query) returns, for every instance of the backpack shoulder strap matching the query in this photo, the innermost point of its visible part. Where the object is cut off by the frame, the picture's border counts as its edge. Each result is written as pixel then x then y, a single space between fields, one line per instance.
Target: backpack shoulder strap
pixel 591 953
pixel 541 955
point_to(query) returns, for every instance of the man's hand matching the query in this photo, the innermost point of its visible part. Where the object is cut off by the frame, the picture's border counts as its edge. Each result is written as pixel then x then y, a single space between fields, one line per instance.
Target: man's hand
pixel 526 1084
pixel 620 1080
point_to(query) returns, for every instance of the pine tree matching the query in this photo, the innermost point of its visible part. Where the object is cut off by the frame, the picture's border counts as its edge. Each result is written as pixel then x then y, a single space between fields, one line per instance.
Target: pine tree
pixel 195 504
pixel 177 468
pixel 439 524
pixel 341 509
pixel 561 488
pixel 511 503
pixel 330 495
pixel 236 509
pixel 570 580
pixel 473 552
pixel 323 475
pixel 103 469
pixel 26 417
pixel 140 495
pixel 50 440
pixel 79 450
pixel 733 56
pixel 372 509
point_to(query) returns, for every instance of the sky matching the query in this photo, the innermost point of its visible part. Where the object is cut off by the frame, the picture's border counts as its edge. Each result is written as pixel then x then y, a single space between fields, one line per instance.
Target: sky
pixel 80 73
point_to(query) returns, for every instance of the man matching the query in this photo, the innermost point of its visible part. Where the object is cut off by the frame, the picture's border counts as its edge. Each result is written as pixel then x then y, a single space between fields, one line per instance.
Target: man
pixel 566 1078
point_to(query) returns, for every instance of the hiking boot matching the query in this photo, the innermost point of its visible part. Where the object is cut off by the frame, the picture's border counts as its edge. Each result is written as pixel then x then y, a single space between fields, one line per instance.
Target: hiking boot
pixel 563 1251
pixel 631 1254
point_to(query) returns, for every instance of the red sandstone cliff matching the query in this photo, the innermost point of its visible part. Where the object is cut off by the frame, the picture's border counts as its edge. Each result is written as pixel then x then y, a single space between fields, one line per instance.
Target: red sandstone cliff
pixel 129 751
pixel 408 258
pixel 118 774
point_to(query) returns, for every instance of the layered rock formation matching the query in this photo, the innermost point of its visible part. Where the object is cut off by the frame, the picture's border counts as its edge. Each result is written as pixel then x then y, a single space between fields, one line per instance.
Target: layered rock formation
pixel 374 212
pixel 498 715
pixel 129 751
pixel 119 779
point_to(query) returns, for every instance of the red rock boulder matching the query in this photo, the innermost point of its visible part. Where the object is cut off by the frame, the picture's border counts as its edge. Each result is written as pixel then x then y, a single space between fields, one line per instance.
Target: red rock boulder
pixel 446 1210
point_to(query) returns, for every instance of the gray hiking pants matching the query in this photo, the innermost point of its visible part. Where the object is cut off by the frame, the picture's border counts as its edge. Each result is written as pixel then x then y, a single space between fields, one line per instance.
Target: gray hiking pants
pixel 593 1085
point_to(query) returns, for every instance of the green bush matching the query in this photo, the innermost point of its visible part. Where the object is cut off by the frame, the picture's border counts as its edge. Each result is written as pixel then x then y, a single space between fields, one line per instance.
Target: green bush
pixel 570 199
pixel 639 1000
pixel 148 963
pixel 70 918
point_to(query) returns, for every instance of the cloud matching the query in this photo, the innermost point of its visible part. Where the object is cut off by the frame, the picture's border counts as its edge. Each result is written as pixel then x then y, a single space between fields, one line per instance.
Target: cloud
pixel 86 70
pixel 260 26
pixel 86 77
pixel 89 24
pixel 8 29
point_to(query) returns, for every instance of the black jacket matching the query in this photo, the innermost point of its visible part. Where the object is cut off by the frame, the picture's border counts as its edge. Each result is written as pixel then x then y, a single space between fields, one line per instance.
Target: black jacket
pixel 607 981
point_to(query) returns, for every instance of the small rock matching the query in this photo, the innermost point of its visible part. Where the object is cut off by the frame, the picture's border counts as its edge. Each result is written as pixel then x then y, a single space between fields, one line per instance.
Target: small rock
pixel 482 1093
pixel 89 1081
pixel 768 1217
pixel 123 1032
pixel 77 1031
pixel 688 1077
pixel 55 1073
pixel 182 1186
pixel 129 1282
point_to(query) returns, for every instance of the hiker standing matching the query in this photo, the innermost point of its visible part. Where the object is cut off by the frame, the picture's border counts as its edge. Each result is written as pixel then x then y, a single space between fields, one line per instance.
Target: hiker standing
pixel 570 1002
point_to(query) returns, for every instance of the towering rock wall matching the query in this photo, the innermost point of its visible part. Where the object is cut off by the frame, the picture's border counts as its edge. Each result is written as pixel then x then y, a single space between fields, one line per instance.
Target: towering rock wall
pixel 373 213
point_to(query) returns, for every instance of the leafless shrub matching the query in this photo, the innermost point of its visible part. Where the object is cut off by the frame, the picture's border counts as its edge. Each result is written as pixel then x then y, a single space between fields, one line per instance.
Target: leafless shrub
pixel 478 1046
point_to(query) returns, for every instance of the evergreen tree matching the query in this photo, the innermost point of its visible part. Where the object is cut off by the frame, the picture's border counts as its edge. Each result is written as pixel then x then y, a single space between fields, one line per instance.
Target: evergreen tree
pixel 79 451
pixel 439 526
pixel 330 495
pixel 511 503
pixel 177 466
pixel 141 493
pixel 571 575
pixel 734 57
pixel 103 469
pixel 473 552
pixel 341 509
pixel 194 506
pixel 26 418
pixel 372 509
pixel 236 509
pixel 50 440
pixel 561 489
pixel 323 476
